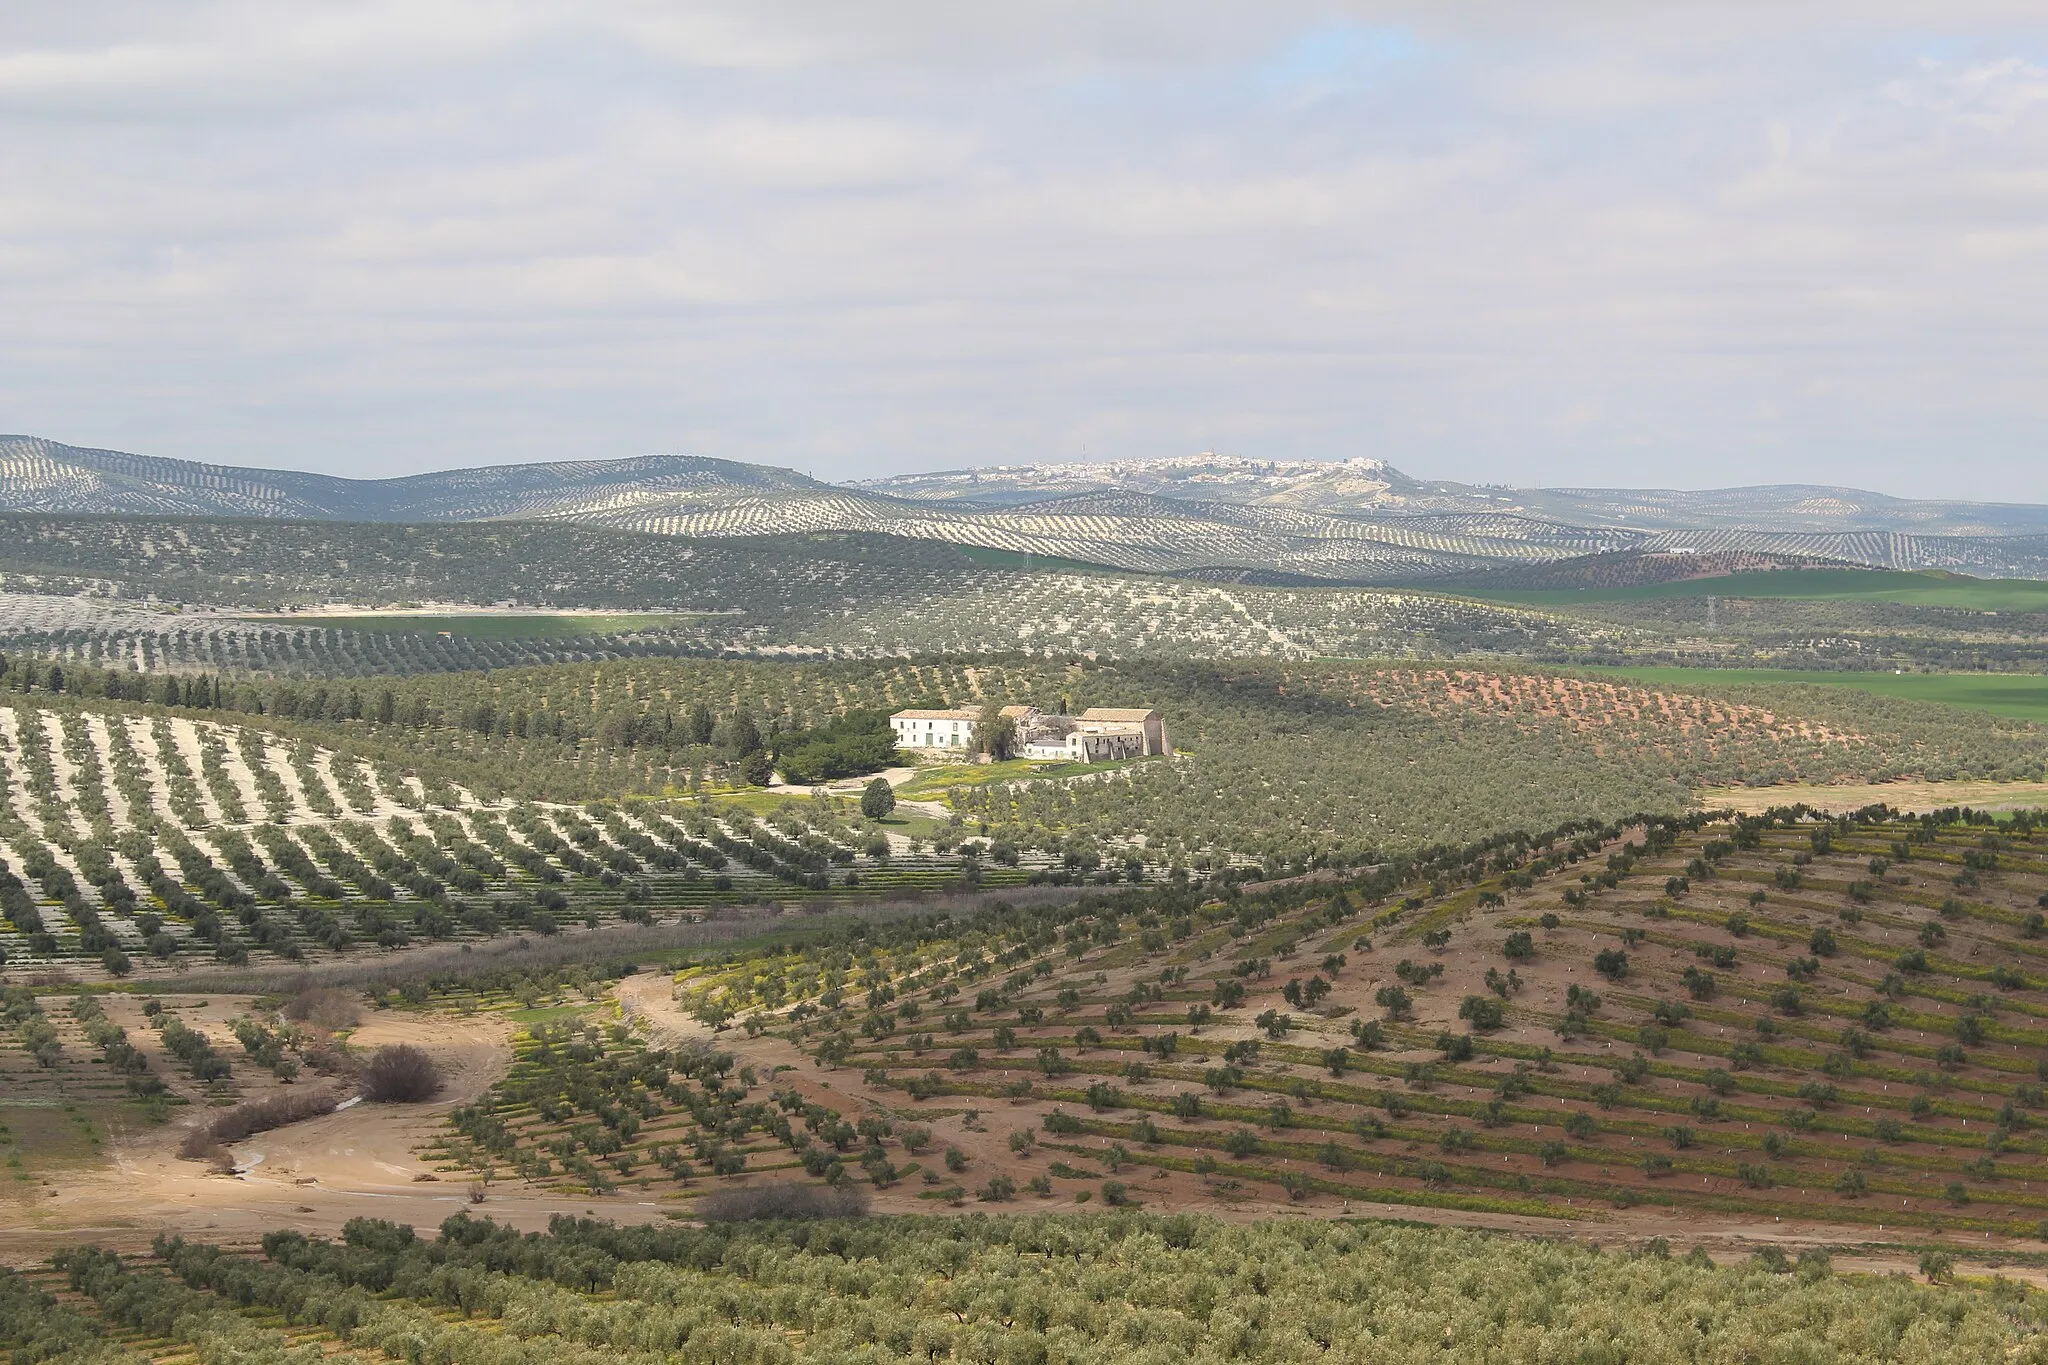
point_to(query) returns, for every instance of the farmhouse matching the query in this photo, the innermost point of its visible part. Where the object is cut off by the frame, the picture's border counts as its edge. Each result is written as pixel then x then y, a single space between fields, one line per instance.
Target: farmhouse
pixel 1099 734
pixel 929 729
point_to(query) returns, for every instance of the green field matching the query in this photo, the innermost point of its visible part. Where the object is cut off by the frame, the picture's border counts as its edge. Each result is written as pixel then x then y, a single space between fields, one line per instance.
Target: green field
pixel 493 625
pixel 1929 589
pixel 2021 696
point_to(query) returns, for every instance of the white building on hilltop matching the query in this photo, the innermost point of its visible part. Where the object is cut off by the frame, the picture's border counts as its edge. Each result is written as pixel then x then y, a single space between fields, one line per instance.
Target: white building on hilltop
pixel 1100 734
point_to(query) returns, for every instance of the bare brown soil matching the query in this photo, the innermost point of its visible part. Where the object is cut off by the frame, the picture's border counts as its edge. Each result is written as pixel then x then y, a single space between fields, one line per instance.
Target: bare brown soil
pixel 985 1140
pixel 1628 1197
pixel 1587 705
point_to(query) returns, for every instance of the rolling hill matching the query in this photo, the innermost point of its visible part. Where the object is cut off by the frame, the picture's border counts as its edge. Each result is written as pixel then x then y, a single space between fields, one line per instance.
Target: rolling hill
pixel 44 476
pixel 1376 488
pixel 1358 521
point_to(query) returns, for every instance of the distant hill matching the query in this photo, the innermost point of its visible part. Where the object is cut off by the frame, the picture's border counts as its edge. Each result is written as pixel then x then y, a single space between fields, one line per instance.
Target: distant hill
pixel 44 476
pixel 1376 488
pixel 690 496
pixel 1312 485
pixel 1221 517
pixel 1784 508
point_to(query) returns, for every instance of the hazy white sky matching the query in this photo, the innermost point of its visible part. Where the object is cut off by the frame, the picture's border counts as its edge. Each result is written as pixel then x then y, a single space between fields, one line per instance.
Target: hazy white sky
pixel 1681 244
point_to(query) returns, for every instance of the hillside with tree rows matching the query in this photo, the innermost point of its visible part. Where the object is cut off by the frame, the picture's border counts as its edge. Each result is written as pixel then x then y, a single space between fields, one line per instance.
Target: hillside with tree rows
pixel 1831 1021
pixel 148 820
pixel 1132 1288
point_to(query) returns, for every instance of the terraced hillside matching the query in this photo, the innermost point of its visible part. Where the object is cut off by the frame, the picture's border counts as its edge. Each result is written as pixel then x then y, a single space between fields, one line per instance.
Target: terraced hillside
pixel 2016 556
pixel 984 610
pixel 1837 1023
pixel 95 590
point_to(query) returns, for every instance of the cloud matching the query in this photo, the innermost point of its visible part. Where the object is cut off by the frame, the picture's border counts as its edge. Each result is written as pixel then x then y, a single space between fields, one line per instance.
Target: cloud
pixel 1995 98
pixel 1673 244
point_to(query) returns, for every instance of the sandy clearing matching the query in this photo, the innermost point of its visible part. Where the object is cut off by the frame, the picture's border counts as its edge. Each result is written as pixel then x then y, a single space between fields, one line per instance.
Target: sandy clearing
pixel 313 1176
pixel 853 786
pixel 360 1150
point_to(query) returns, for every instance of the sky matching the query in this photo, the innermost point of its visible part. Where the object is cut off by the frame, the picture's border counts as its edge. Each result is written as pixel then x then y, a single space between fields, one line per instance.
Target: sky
pixel 1681 244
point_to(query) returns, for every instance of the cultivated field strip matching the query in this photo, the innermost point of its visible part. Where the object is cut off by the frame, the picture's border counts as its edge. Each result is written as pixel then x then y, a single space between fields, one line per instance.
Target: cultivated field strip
pixel 1834 1021
pixel 1107 617
pixel 1980 556
pixel 1161 535
pixel 138 840
pixel 1591 705
pixel 979 611
pixel 89 631
pixel 1081 1290
pixel 1165 534
pixel 1135 531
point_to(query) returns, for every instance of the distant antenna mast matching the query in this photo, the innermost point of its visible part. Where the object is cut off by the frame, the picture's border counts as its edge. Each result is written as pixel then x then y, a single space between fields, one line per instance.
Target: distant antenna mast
pixel 1713 613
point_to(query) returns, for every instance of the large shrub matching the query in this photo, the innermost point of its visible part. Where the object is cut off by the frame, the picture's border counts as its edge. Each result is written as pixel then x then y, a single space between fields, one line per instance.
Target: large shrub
pixel 256 1116
pixel 402 1074
pixel 326 1006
